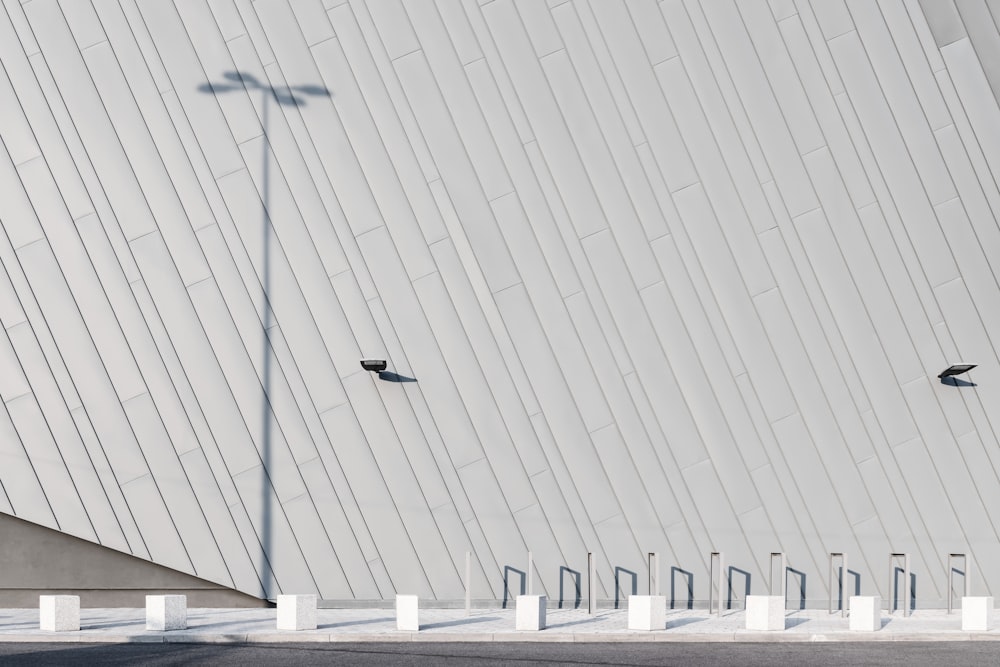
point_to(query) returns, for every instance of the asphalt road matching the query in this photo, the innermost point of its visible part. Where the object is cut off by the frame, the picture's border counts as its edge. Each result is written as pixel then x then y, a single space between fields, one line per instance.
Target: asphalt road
pixel 548 655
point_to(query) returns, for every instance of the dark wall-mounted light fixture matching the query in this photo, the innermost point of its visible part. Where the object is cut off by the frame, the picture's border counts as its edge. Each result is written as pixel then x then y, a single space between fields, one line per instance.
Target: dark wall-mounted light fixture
pixel 373 365
pixel 956 369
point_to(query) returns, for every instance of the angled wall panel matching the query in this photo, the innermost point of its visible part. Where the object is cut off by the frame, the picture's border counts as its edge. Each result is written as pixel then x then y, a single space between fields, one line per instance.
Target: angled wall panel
pixel 672 277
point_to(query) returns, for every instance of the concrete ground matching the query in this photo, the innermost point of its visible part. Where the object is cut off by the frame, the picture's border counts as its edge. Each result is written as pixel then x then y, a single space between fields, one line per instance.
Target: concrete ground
pixel 445 654
pixel 243 626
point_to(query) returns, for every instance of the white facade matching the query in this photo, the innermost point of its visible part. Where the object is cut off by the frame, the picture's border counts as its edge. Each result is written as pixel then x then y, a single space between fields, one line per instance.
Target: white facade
pixel 669 277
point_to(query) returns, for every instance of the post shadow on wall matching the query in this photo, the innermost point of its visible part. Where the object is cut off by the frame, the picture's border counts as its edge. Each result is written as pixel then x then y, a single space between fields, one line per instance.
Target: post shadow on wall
pixel 844 587
pixel 733 570
pixel 951 574
pixel 620 573
pixel 522 587
pixel 236 81
pixel 688 588
pixel 897 585
pixel 801 587
pixel 575 579
pixel 857 583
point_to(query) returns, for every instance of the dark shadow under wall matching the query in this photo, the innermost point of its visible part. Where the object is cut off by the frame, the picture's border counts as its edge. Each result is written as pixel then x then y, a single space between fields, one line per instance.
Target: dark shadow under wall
pixel 35 560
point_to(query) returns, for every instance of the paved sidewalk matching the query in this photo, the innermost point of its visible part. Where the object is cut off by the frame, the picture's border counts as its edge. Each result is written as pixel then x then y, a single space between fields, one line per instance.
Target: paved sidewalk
pixel 450 625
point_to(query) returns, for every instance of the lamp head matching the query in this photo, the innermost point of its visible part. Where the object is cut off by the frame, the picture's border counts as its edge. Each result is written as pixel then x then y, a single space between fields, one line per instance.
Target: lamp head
pixel 373 365
pixel 956 369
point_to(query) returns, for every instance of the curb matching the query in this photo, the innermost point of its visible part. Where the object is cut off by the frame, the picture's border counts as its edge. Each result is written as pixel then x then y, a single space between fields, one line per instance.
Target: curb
pixel 664 636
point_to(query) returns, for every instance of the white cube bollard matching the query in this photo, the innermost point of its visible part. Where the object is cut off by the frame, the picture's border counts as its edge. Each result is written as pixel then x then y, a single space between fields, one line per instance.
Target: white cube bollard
pixel 59 613
pixel 647 612
pixel 530 612
pixel 977 614
pixel 297 612
pixel 407 613
pixel 166 612
pixel 865 613
pixel 765 612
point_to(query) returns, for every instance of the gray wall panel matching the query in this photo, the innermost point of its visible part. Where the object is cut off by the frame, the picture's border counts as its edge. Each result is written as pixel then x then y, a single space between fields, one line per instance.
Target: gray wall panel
pixel 21 484
pixel 179 60
pixel 250 394
pixel 83 362
pixel 13 383
pixel 645 95
pixel 413 483
pixel 22 145
pixel 35 179
pixel 375 75
pixel 359 583
pixel 908 114
pixel 294 169
pixel 135 544
pixel 224 527
pixel 381 515
pixel 147 163
pixel 654 31
pixel 174 486
pixel 513 408
pixel 64 431
pixel 561 412
pixel 280 289
pixel 159 530
pixel 329 574
pixel 91 120
pixel 195 353
pixel 276 549
pixel 469 196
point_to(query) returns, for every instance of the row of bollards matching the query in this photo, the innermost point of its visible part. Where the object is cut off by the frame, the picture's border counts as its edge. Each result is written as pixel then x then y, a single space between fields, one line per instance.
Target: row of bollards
pixel 61 613
pixel 767 613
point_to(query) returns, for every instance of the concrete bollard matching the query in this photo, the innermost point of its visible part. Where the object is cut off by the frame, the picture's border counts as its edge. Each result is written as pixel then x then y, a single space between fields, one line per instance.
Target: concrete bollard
pixel 297 612
pixel 866 613
pixel 530 612
pixel 166 612
pixel 647 612
pixel 765 612
pixel 977 614
pixel 407 613
pixel 59 613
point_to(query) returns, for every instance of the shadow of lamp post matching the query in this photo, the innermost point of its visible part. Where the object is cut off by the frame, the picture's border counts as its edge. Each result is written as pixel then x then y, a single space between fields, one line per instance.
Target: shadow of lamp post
pixel 285 96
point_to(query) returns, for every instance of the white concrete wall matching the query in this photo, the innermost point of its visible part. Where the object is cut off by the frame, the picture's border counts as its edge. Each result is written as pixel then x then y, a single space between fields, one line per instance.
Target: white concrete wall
pixel 667 276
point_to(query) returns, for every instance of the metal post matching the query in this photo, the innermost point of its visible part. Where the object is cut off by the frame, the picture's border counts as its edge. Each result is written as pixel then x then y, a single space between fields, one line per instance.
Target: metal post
pixel 468 583
pixel 592 583
pixel 716 556
pixel 842 581
pixel 906 585
pixel 531 569
pixel 654 573
pixel 951 578
pixel 906 581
